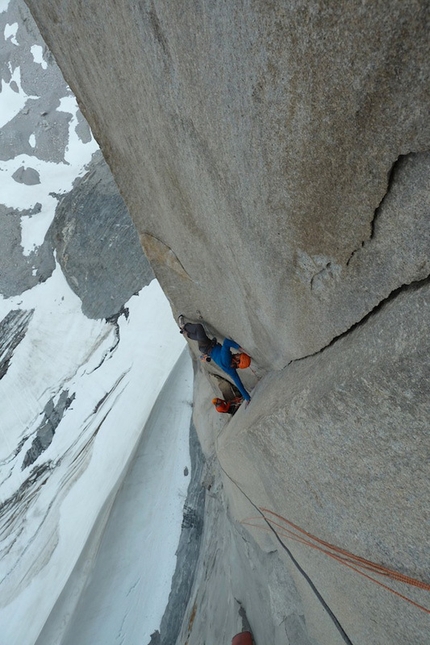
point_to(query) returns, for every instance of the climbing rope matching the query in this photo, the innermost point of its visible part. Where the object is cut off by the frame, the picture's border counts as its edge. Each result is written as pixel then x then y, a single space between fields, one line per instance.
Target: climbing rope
pixel 299 568
pixel 356 563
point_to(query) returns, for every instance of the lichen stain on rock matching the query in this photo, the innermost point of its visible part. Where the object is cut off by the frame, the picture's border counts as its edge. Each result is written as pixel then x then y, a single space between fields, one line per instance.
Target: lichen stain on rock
pixel 159 253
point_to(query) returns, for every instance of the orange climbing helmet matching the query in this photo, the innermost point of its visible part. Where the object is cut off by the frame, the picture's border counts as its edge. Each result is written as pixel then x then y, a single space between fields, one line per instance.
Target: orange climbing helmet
pixel 221 405
pixel 241 361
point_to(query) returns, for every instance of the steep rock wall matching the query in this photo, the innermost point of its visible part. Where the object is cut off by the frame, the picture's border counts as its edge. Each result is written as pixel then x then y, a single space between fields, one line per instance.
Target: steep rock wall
pixel 274 157
pixel 256 142
pixel 338 444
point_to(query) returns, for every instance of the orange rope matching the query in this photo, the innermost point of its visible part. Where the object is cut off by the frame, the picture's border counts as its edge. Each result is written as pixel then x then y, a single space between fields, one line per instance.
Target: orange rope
pixel 386 571
pixel 352 561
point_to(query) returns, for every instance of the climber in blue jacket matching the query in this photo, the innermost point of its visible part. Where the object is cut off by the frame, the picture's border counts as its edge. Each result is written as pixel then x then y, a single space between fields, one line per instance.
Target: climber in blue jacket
pixel 212 350
pixel 221 355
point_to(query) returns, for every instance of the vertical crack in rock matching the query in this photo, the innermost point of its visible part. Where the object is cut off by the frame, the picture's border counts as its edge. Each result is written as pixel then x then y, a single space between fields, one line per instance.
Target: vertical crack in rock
pixel 391 176
pixel 390 179
pixel 12 331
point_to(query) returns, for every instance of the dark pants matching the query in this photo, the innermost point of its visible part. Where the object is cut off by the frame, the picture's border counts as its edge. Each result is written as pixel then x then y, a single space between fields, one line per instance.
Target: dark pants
pixel 196 331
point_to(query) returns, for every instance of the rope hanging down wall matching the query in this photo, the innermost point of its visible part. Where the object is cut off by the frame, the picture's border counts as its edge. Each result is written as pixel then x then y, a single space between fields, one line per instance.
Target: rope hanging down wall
pixel 330 613
pixel 360 565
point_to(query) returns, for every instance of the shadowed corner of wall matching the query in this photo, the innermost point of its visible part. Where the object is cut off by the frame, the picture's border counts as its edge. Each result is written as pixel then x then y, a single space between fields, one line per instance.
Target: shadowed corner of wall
pixel 222 387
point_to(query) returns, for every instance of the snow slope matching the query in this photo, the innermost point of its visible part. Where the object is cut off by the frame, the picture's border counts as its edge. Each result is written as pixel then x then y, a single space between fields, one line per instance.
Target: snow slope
pixel 125 594
pixel 50 507
pixel 75 394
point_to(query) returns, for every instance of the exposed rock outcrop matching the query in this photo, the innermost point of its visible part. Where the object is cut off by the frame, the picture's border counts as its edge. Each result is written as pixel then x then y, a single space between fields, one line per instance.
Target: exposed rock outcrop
pixel 97 245
pixel 339 445
pixel 13 328
pixel 52 416
pixel 94 238
pixel 275 160
pixel 28 270
pixel 230 564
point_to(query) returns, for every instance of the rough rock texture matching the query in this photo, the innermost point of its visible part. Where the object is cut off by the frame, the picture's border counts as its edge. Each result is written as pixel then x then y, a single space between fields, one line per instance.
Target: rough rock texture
pixel 97 245
pixel 13 328
pixel 19 272
pixel 93 235
pixel 226 585
pixel 52 415
pixel 257 141
pixel 338 443
pixel 43 84
pixel 275 159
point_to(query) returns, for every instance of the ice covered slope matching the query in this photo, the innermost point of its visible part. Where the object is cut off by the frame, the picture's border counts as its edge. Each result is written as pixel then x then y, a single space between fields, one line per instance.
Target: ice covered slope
pixel 120 589
pixel 75 392
pixel 83 390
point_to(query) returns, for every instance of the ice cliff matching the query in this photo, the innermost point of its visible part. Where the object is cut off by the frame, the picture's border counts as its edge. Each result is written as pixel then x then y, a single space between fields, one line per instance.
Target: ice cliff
pixel 274 157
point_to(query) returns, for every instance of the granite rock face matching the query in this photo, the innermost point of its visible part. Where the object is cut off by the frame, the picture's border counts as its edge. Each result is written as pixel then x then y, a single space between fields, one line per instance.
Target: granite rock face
pixel 92 233
pixel 226 585
pixel 275 158
pixel 341 441
pixel 258 144
pixel 97 245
